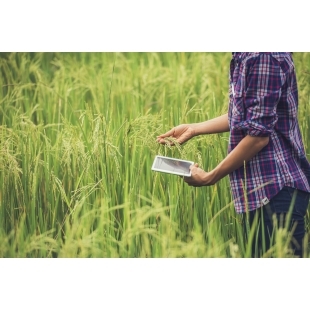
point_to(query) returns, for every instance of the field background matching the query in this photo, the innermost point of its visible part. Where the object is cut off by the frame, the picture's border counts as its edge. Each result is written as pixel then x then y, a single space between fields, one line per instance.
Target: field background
pixel 77 141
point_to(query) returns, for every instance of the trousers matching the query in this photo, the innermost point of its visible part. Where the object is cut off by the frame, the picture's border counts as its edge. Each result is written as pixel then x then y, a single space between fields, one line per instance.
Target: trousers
pixel 285 210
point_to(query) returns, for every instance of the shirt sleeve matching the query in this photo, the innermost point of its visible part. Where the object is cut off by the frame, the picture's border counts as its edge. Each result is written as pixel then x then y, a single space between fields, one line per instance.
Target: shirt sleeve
pixel 263 80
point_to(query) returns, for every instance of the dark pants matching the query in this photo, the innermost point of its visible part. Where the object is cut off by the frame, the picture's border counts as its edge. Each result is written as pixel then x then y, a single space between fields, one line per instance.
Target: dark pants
pixel 287 209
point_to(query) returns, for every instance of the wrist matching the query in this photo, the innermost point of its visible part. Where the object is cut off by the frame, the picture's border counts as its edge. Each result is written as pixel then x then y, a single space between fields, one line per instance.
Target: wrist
pixel 210 178
pixel 195 129
pixel 216 175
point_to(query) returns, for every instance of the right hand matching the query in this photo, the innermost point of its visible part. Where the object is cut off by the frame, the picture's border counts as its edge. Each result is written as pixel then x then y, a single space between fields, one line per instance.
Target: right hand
pixel 181 134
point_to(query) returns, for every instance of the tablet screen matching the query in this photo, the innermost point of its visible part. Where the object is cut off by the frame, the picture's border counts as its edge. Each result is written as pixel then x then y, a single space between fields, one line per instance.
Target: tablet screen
pixel 172 165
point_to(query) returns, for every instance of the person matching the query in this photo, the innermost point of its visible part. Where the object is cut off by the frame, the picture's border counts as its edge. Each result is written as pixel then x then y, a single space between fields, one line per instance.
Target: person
pixel 266 161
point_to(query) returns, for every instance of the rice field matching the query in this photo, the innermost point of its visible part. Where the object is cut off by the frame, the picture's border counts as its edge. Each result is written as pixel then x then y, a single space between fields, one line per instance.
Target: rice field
pixel 78 139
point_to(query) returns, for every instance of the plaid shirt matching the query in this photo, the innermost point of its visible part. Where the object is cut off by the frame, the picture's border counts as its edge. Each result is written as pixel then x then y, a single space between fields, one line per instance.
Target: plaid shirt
pixel 263 102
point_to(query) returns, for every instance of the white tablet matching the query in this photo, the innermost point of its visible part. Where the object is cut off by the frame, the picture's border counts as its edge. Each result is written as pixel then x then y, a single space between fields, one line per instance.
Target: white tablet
pixel 172 165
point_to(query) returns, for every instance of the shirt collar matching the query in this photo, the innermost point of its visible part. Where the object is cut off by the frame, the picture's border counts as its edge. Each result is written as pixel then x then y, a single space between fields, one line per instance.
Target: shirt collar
pixel 236 55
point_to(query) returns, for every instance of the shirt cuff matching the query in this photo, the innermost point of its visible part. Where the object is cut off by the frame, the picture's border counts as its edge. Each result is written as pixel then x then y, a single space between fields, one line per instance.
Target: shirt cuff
pixel 254 129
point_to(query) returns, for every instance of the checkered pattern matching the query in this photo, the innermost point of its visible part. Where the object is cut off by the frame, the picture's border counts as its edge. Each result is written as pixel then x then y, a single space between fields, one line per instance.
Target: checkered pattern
pixel 263 102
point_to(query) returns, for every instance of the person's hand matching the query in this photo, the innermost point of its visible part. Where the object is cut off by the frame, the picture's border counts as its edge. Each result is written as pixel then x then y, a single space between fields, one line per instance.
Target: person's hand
pixel 199 177
pixel 180 134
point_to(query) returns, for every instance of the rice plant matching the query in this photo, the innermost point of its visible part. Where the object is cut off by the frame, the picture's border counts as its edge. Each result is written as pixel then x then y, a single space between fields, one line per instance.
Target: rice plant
pixel 77 141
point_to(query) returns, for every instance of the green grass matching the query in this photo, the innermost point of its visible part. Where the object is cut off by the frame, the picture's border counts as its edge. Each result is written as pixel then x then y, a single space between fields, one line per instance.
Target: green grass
pixel 77 141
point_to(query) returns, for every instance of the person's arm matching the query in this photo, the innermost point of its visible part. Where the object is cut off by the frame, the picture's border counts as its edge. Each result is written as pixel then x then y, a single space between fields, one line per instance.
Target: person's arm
pixel 185 132
pixel 215 125
pixel 248 147
pixel 264 79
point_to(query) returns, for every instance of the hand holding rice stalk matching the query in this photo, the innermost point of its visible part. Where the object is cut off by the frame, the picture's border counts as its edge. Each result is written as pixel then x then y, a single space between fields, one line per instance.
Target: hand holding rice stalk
pixel 180 133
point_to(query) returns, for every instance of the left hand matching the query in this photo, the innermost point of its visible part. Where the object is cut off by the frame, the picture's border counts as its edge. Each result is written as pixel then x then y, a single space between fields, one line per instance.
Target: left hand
pixel 199 177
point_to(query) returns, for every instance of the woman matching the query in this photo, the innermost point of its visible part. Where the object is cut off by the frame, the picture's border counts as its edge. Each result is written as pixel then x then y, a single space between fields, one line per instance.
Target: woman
pixel 265 145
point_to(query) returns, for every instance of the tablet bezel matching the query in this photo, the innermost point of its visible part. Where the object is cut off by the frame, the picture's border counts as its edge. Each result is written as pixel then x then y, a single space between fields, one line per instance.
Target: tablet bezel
pixel 171 171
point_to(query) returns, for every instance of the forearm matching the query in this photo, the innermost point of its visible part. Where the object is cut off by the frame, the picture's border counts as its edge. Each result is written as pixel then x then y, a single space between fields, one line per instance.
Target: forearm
pixel 243 152
pixel 215 125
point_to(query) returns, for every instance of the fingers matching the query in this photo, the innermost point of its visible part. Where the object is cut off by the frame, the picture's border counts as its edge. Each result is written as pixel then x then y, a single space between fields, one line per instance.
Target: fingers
pixel 169 138
pixel 193 166
pixel 190 180
pixel 167 141
pixel 165 135
pixel 178 135
pixel 193 180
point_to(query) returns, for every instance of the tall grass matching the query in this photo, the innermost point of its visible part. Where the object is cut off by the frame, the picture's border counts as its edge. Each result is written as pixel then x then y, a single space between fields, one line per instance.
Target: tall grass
pixel 77 141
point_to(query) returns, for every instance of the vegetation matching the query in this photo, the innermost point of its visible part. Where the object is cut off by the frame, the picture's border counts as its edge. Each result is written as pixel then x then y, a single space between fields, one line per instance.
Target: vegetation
pixel 77 141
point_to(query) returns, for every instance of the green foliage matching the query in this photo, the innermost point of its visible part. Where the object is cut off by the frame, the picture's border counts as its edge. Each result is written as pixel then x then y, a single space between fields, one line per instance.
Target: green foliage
pixel 77 141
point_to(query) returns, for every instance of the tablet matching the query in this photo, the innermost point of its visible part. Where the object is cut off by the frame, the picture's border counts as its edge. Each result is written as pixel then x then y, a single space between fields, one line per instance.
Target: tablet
pixel 172 165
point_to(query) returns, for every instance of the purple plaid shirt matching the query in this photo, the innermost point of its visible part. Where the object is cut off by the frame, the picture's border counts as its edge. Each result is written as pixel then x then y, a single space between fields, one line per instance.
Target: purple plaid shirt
pixel 263 102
